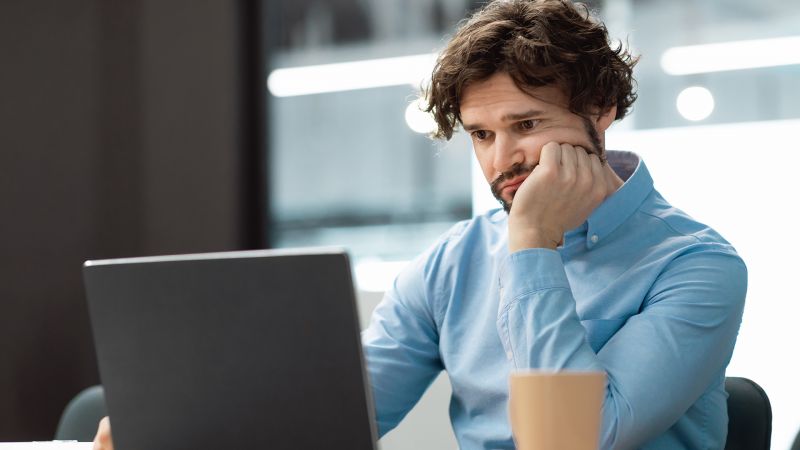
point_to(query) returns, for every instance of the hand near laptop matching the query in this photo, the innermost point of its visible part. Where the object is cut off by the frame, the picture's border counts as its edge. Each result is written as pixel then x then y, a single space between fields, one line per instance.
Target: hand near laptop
pixel 102 441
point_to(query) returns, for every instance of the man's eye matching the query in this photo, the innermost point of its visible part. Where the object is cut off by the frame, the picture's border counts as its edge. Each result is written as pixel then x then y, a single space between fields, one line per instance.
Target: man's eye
pixel 480 134
pixel 527 124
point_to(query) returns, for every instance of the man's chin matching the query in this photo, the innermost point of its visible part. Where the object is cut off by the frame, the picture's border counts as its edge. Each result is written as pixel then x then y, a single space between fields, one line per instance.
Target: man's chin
pixel 506 205
pixel 498 195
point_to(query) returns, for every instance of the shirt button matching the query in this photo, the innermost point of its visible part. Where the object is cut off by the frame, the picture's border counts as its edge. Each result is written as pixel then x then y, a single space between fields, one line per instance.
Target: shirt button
pixel 509 356
pixel 595 239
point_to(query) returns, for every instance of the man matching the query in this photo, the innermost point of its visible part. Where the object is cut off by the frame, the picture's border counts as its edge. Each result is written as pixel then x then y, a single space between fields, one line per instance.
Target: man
pixel 586 267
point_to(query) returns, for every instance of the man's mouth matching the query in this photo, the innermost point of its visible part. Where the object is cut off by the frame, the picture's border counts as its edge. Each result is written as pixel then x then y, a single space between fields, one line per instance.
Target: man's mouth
pixel 509 182
pixel 512 185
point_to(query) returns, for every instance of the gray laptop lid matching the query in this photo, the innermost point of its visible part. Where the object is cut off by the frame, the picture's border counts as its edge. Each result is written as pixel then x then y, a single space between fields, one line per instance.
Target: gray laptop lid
pixel 257 349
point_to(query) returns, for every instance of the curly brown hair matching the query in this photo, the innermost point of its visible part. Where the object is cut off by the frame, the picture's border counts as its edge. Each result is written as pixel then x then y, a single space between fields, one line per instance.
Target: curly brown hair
pixel 538 43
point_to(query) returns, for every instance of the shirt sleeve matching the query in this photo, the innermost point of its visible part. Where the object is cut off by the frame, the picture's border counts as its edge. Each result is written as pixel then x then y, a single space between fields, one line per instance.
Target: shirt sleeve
pixel 658 364
pixel 401 348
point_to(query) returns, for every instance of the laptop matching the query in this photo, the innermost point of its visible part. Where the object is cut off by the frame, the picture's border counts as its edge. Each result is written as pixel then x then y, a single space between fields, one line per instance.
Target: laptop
pixel 249 350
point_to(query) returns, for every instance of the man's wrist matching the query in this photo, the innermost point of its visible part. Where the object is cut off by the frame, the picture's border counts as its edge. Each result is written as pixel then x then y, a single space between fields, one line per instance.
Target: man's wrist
pixel 534 238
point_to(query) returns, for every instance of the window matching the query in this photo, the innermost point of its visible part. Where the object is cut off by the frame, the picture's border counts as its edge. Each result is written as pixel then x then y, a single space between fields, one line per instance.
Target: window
pixel 346 167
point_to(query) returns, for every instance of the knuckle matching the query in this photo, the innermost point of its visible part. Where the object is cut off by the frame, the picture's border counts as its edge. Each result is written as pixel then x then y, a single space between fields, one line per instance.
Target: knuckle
pixel 551 147
pixel 545 171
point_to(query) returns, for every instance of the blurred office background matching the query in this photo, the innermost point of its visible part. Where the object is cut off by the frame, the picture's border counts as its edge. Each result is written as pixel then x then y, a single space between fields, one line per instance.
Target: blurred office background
pixel 177 156
pixel 351 164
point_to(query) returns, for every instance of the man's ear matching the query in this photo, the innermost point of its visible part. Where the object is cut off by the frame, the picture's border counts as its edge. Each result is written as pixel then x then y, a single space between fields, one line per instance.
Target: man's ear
pixel 605 119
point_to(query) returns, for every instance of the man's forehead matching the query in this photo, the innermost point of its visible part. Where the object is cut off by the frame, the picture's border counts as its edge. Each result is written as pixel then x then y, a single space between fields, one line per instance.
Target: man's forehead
pixel 550 94
pixel 501 89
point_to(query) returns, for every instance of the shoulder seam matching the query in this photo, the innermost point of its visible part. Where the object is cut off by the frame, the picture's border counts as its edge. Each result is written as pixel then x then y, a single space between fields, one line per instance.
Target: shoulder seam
pixel 668 225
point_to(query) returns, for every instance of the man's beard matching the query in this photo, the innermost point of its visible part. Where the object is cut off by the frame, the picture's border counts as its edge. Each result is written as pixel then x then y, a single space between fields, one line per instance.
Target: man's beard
pixel 521 169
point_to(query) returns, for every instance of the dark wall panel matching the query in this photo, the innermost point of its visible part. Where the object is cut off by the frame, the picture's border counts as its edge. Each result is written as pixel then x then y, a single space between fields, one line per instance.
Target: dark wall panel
pixel 126 128
pixel 189 132
pixel 48 144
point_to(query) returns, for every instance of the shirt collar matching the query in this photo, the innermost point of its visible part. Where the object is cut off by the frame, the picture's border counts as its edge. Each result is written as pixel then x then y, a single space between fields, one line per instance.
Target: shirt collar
pixel 616 209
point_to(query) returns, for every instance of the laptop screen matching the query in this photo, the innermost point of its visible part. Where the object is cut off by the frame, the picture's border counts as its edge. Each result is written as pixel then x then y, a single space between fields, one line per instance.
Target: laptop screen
pixel 257 349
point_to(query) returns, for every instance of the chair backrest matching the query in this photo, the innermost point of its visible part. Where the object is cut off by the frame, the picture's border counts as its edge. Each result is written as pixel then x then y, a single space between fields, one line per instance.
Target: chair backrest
pixel 82 415
pixel 749 415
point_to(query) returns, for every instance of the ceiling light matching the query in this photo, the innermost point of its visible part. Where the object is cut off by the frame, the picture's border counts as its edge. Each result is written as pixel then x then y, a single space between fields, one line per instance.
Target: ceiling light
pixel 735 55
pixel 695 103
pixel 403 70
pixel 418 120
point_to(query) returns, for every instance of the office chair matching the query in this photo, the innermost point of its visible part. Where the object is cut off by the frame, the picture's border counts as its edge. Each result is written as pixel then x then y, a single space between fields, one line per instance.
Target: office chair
pixel 82 415
pixel 749 415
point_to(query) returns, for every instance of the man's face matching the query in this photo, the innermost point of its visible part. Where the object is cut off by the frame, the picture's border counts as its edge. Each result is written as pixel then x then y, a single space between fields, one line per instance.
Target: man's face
pixel 509 127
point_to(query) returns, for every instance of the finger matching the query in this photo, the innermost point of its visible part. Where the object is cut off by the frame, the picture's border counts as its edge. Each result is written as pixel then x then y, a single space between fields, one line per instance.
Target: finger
pixel 550 155
pixel 584 165
pixel 102 441
pixel 568 157
pixel 582 159
pixel 597 172
pixel 99 433
pixel 596 165
pixel 97 443
pixel 569 163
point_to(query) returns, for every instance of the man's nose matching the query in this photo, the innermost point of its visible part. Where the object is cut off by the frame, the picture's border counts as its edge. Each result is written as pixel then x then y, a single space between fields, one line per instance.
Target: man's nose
pixel 507 153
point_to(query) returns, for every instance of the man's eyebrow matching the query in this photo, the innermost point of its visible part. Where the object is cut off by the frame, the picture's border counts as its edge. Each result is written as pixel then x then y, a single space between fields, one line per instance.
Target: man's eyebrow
pixel 511 117
pixel 472 127
pixel 521 116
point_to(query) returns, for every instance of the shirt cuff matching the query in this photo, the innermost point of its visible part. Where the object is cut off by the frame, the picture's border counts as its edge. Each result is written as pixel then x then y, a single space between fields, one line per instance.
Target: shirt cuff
pixel 530 270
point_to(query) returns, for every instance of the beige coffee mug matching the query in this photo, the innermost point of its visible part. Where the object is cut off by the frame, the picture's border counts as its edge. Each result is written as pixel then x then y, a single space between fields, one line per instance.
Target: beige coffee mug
pixel 556 410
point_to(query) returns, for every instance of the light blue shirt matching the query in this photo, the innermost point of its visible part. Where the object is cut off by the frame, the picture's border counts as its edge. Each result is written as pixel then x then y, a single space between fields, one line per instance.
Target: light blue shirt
pixel 640 290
